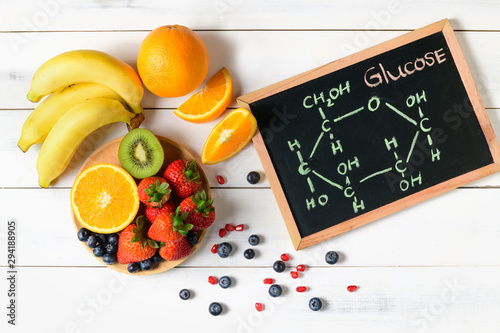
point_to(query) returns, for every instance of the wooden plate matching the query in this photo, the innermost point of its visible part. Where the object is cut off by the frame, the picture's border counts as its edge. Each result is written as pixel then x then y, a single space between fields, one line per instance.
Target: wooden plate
pixel 108 153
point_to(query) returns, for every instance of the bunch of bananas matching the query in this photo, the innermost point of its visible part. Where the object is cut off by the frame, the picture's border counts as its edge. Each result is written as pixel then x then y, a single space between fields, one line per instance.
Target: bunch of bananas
pixel 88 89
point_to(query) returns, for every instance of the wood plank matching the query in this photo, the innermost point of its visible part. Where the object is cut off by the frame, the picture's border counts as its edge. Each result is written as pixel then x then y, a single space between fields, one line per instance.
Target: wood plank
pixel 456 228
pixel 20 171
pixel 390 299
pixel 248 60
pixel 52 15
pixel 392 260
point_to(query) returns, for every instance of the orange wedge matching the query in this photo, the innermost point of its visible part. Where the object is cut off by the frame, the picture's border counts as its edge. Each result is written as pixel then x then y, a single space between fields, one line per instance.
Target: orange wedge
pixel 104 198
pixel 208 103
pixel 229 136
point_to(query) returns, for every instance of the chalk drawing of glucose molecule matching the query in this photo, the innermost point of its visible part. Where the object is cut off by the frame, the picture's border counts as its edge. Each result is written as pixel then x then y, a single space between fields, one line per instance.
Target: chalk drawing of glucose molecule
pixel 347 164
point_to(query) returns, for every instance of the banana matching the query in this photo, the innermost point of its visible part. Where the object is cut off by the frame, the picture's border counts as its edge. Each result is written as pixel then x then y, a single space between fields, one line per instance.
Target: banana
pixel 88 66
pixel 47 113
pixel 74 126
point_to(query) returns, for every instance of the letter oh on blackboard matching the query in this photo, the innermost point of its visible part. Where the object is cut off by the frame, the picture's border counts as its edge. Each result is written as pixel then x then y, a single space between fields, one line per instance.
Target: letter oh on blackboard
pixel 346 162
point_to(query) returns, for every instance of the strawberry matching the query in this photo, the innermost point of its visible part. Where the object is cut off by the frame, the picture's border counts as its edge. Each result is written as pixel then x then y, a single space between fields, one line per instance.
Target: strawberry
pixel 201 213
pixel 154 191
pixel 134 245
pixel 152 212
pixel 175 250
pixel 183 177
pixel 169 228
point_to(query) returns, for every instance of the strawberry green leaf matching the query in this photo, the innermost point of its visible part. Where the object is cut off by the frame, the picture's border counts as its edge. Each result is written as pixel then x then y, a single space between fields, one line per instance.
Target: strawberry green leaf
pixel 155 197
pixel 140 222
pixel 152 243
pixel 178 222
pixel 137 237
pixel 207 211
pixel 203 204
pixel 191 172
pixel 157 191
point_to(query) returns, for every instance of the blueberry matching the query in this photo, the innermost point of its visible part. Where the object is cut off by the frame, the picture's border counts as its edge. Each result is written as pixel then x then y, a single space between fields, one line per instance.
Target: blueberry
pixel 113 239
pixel 92 241
pixel 225 282
pixel 332 257
pixel 254 240
pixel 215 309
pixel 253 177
pixel 157 258
pixel 147 265
pixel 99 250
pixel 109 258
pixel 184 294
pixel 192 238
pixel 111 248
pixel 315 304
pixel 103 238
pixel 224 249
pixel 275 290
pixel 134 267
pixel 279 266
pixel 83 234
pixel 249 253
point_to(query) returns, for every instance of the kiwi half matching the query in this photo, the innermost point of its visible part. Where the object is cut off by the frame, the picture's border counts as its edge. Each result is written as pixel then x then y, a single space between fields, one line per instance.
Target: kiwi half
pixel 140 153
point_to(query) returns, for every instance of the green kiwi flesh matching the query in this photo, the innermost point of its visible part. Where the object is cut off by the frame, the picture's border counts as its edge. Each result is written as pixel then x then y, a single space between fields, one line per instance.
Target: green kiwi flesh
pixel 140 153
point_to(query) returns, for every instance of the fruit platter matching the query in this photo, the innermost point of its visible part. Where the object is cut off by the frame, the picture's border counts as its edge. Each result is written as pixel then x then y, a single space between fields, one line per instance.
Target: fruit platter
pixel 99 244
pixel 141 203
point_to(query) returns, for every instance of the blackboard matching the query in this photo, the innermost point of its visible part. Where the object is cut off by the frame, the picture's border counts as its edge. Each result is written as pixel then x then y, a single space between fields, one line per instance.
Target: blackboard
pixel 373 133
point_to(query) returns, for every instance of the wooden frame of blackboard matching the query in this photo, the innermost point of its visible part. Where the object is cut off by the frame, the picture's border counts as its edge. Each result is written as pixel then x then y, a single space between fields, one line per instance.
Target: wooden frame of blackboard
pixel 443 26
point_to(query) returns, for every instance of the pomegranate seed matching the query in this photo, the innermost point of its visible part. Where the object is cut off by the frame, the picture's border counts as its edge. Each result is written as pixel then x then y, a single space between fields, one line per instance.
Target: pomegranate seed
pixel 285 257
pixel 222 233
pixel 229 227
pixel 352 288
pixel 268 281
pixel 214 248
pixel 301 289
pixel 301 268
pixel 239 227
pixel 212 280
pixel 294 274
pixel 220 180
pixel 259 306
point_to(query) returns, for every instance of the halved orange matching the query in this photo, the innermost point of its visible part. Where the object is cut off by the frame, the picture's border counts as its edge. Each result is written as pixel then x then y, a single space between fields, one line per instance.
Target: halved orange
pixel 208 103
pixel 104 198
pixel 229 136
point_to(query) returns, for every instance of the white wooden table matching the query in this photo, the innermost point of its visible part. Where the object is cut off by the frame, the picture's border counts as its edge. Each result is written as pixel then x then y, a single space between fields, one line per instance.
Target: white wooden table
pixel 433 267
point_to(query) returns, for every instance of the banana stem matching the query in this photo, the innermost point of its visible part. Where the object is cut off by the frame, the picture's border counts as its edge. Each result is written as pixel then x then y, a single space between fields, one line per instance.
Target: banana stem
pixel 136 121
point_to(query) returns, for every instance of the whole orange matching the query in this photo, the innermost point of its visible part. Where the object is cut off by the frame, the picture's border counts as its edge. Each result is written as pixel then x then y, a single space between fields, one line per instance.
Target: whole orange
pixel 172 61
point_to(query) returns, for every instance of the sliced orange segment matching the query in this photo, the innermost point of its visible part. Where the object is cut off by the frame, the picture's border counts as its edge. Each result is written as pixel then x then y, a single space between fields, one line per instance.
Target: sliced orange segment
pixel 229 136
pixel 104 198
pixel 208 103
